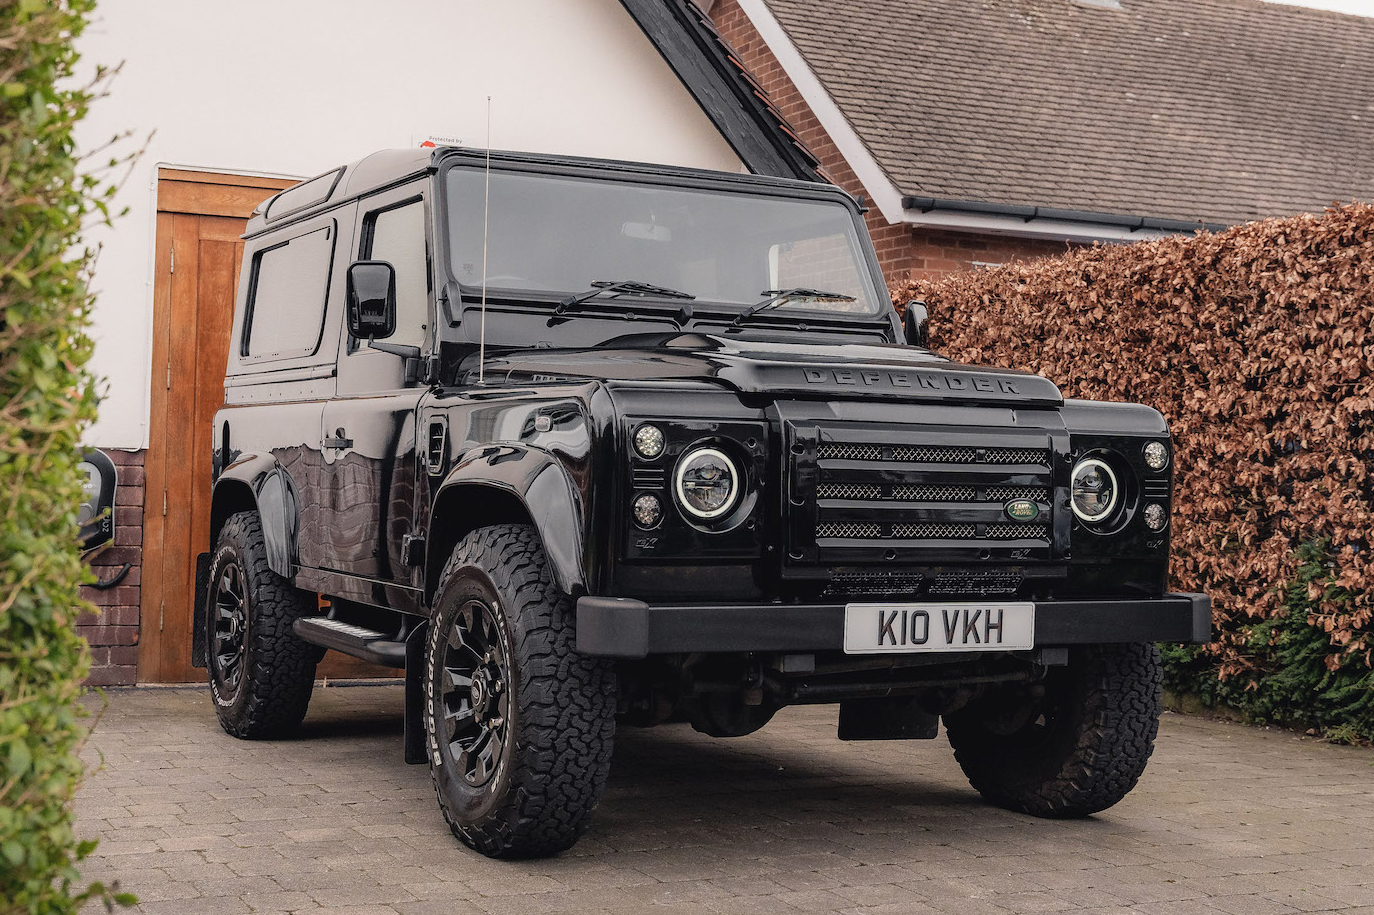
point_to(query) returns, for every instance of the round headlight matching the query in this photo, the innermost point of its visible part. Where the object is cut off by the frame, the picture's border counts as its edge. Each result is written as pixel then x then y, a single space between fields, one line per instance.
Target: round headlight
pixel 649 441
pixel 1093 490
pixel 1156 455
pixel 707 483
pixel 648 511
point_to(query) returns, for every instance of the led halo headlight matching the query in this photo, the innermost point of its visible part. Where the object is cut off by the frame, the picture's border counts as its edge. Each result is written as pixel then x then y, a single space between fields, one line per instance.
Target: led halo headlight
pixel 1093 490
pixel 707 483
pixel 1156 455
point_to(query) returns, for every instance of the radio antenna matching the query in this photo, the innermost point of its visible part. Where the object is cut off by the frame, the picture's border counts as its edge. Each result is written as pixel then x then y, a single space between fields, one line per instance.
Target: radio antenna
pixel 486 209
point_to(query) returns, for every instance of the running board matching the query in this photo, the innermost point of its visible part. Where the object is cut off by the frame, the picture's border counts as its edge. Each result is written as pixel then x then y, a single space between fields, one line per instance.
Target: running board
pixel 367 644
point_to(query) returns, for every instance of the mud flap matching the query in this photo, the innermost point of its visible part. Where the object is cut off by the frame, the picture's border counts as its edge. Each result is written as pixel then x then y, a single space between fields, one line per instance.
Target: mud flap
pixel 886 719
pixel 414 738
pixel 198 622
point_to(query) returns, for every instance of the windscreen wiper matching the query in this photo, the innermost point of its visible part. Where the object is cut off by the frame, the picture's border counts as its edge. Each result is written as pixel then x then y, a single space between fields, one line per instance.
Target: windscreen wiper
pixel 777 296
pixel 618 287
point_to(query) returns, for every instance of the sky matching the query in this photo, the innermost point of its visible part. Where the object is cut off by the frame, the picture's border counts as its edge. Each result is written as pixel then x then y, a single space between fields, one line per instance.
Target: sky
pixel 1358 7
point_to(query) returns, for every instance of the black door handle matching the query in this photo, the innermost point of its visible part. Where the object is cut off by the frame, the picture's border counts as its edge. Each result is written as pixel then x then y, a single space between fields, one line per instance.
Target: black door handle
pixel 338 440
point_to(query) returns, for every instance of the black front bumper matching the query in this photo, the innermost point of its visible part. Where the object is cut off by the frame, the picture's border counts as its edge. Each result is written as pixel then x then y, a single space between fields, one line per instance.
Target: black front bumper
pixel 619 627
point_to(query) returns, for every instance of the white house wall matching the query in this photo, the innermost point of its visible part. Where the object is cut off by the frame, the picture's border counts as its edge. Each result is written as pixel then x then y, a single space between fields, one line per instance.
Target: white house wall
pixel 293 87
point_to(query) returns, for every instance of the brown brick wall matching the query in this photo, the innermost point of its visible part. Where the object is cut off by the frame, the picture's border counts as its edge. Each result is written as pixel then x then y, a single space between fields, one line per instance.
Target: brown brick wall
pixel 903 252
pixel 113 633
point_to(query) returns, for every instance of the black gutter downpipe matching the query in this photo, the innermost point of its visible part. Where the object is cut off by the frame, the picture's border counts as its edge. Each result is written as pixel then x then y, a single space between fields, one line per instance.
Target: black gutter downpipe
pixel 1028 213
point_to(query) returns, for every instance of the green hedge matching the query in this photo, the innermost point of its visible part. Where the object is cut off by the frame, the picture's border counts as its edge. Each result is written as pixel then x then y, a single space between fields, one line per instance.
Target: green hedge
pixel 46 398
pixel 1300 687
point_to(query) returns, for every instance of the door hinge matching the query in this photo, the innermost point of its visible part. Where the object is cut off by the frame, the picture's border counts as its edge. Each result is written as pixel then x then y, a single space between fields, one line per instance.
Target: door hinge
pixel 169 376
pixel 413 548
pixel 164 503
pixel 172 257
pixel 161 615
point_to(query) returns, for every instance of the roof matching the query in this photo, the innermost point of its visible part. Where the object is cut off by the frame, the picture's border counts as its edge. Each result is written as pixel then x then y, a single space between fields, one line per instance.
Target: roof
pixel 389 167
pixel 1221 111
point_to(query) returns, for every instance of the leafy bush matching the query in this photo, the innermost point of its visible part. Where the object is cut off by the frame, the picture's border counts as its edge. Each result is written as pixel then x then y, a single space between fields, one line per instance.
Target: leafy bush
pixel 1257 343
pixel 46 397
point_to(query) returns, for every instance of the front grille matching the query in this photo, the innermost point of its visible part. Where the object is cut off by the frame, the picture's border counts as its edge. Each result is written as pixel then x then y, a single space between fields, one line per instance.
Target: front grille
pixel 933 531
pixel 1018 532
pixel 873 584
pixel 875 494
pixel 931 454
pixel 980 583
pixel 849 530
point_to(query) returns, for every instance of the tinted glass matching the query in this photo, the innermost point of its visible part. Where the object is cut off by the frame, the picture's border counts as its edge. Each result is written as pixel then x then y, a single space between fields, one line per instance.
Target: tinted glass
pixel 290 287
pixel 558 234
pixel 398 237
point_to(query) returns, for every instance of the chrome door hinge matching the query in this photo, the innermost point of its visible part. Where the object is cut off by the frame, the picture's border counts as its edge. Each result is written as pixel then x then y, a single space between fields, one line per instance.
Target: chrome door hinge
pixel 161 615
pixel 172 258
pixel 164 503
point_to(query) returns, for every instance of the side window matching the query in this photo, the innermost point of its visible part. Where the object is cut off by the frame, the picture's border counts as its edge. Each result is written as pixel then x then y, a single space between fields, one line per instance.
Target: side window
pixel 397 236
pixel 288 291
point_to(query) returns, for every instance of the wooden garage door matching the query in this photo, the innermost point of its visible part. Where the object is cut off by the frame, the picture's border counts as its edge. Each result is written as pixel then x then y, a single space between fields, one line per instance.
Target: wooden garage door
pixel 200 217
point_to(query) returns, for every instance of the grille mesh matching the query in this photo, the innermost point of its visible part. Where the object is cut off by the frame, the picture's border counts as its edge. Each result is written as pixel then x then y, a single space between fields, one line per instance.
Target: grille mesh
pixel 1007 493
pixel 933 493
pixel 875 584
pixel 932 454
pixel 933 531
pixel 835 529
pixel 1018 532
pixel 848 491
pixel 979 583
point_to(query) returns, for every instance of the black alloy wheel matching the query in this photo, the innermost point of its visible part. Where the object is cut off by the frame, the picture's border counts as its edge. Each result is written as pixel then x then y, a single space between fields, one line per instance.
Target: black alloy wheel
pixel 477 694
pixel 230 632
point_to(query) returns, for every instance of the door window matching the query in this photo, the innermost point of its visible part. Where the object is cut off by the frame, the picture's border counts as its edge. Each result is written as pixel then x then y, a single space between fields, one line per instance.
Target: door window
pixel 397 236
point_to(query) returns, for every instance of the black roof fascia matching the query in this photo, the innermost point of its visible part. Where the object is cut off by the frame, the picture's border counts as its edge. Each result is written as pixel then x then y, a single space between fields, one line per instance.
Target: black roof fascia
pixel 1134 223
pixel 739 108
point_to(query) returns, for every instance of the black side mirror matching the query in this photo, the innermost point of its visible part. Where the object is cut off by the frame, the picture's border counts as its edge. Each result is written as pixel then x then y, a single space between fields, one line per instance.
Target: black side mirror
pixel 371 300
pixel 916 324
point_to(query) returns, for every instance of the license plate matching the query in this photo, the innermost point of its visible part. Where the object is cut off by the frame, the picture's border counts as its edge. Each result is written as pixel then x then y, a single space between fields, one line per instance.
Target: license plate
pixel 897 628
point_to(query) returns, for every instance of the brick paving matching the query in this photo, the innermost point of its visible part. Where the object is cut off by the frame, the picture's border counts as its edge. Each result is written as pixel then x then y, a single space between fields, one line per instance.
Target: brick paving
pixel 1227 819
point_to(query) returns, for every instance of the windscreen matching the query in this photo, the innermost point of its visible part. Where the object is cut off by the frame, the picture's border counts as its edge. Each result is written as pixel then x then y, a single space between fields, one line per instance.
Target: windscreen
pixel 554 234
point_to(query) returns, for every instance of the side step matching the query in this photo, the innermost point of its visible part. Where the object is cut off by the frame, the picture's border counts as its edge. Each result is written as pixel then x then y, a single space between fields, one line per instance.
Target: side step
pixel 367 644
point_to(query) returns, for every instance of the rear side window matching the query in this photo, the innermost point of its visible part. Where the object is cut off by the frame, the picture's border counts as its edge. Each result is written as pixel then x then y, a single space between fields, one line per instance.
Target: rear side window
pixel 290 285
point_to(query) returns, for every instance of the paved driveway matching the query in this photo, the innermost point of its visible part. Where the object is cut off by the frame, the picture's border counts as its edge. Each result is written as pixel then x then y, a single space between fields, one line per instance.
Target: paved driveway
pixel 789 820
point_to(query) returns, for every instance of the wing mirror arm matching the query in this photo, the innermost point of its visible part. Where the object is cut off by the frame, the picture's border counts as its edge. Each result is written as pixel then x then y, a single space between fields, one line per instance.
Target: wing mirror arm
pixel 916 324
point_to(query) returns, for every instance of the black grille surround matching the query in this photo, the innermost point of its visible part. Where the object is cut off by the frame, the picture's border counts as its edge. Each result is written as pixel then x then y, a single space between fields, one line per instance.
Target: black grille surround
pixel 922 511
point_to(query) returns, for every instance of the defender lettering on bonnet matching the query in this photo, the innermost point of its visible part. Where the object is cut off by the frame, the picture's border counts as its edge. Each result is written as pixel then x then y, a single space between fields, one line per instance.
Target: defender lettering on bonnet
pixel 899 381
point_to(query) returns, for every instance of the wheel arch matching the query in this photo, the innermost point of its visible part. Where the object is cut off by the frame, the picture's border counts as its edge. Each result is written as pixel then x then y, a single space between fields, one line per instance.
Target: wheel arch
pixel 513 485
pixel 257 482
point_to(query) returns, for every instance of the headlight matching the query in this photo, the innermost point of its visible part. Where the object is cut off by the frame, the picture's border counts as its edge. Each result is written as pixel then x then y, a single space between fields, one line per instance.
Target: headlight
pixel 1094 490
pixel 707 483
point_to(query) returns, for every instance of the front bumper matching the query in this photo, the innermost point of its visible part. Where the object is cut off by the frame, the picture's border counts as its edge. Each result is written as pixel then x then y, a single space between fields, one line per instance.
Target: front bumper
pixel 619 627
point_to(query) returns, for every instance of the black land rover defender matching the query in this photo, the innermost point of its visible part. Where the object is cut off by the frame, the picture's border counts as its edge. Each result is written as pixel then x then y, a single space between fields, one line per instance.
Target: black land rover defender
pixel 576 443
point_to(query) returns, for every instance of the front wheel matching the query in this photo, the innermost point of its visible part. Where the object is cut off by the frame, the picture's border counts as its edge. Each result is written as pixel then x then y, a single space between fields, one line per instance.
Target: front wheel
pixel 1070 746
pixel 519 726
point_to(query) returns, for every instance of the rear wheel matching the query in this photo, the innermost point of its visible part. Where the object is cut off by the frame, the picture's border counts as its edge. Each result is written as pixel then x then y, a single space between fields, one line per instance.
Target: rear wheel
pixel 1068 747
pixel 519 726
pixel 260 672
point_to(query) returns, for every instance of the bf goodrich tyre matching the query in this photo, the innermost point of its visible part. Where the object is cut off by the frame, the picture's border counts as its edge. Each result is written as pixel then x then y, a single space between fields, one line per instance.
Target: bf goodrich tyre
pixel 1074 750
pixel 519 726
pixel 260 672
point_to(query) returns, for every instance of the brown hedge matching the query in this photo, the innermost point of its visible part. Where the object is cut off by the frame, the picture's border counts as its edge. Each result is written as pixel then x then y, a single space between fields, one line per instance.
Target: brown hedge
pixel 1255 343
